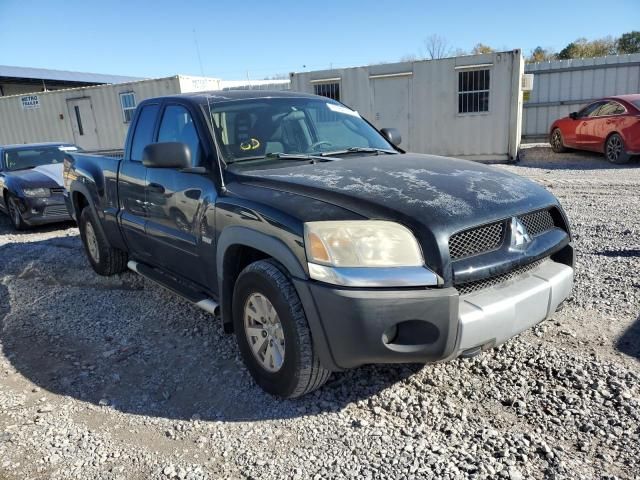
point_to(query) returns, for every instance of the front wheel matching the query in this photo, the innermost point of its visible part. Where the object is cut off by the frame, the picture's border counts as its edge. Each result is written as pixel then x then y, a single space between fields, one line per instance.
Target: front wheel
pixel 614 150
pixel 557 143
pixel 14 213
pixel 273 334
pixel 104 259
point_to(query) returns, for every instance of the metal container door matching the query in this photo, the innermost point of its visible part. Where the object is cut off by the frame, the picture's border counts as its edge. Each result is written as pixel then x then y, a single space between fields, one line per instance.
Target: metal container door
pixel 83 123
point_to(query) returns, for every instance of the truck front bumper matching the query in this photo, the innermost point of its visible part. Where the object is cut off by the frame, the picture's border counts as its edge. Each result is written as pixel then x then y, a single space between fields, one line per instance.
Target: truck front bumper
pixel 353 327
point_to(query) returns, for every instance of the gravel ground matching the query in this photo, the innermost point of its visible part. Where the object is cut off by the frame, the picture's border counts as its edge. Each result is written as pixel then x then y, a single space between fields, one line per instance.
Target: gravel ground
pixel 118 379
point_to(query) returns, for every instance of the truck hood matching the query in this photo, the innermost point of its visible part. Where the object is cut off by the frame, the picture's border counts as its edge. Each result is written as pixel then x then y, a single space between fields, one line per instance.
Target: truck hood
pixel 47 176
pixel 434 196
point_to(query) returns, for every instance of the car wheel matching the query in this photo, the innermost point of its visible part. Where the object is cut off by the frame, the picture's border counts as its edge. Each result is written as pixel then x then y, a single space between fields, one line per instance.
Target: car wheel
pixel 273 334
pixel 104 259
pixel 557 143
pixel 14 213
pixel 614 150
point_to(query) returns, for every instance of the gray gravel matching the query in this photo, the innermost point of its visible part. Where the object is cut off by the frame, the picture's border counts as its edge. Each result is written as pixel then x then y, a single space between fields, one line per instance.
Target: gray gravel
pixel 118 379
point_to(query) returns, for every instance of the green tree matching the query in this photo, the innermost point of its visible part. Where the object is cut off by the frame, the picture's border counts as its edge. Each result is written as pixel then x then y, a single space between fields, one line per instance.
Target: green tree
pixel 583 48
pixel 629 42
pixel 481 48
pixel 540 54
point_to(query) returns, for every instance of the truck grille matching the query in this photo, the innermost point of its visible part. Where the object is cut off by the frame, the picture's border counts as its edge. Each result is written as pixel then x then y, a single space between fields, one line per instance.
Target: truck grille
pixel 488 238
pixel 537 222
pixel 471 287
pixel 477 240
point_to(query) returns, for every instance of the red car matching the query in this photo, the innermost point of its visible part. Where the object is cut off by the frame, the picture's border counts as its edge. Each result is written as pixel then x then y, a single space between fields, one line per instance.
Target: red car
pixel 610 126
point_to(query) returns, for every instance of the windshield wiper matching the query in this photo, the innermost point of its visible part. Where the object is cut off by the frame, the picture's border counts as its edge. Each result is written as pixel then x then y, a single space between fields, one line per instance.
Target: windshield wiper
pixel 377 151
pixel 286 156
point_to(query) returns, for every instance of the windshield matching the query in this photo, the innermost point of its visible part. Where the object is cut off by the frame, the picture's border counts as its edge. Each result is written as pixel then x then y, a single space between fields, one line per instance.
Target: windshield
pixel 256 128
pixel 30 157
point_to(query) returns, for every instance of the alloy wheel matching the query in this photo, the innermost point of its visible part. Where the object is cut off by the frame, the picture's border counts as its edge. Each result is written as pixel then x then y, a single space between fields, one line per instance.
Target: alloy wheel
pixel 614 148
pixel 92 242
pixel 264 332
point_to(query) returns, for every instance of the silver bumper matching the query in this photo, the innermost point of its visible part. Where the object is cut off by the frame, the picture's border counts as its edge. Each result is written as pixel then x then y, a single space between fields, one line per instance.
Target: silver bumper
pixel 490 317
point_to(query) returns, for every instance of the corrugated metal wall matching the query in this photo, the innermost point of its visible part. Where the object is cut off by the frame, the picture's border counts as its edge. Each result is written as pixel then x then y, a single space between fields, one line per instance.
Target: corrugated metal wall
pixel 565 86
pixel 430 110
pixel 52 122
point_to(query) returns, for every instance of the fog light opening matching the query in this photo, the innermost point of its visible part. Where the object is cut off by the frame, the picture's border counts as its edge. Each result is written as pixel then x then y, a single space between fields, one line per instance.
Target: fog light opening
pixel 390 334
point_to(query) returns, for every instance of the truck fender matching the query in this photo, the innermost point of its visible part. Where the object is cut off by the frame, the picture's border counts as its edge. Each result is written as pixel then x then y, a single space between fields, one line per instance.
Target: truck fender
pixel 239 235
pixel 278 250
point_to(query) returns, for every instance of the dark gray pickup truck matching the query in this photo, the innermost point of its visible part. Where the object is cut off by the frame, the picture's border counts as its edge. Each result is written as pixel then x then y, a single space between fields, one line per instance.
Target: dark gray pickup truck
pixel 323 243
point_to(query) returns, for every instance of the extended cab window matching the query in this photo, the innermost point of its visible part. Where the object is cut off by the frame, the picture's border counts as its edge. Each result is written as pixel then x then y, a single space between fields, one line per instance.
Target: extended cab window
pixel 177 126
pixel 143 134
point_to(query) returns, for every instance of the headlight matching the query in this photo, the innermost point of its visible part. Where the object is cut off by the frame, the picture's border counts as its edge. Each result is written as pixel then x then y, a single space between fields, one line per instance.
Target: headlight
pixel 36 192
pixel 361 243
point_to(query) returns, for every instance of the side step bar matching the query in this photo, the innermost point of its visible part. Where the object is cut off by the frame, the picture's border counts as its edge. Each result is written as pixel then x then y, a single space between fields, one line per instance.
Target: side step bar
pixel 199 299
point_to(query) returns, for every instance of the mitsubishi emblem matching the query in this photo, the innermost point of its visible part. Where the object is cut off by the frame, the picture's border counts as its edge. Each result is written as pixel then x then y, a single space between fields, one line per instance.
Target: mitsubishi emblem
pixel 519 234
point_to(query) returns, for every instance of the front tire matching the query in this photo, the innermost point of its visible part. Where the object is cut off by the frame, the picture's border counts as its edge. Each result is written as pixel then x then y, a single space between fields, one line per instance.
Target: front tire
pixel 273 334
pixel 557 142
pixel 614 150
pixel 104 259
pixel 14 213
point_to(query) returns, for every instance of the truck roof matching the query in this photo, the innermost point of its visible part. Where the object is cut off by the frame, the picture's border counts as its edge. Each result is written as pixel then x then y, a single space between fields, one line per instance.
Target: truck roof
pixel 215 96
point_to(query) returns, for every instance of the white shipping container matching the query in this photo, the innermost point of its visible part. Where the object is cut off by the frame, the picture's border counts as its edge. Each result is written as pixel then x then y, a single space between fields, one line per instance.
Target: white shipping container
pixel 95 118
pixel 467 107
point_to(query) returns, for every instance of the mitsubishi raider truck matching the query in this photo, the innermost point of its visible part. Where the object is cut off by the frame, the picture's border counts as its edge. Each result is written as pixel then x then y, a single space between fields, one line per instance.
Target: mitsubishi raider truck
pixel 323 245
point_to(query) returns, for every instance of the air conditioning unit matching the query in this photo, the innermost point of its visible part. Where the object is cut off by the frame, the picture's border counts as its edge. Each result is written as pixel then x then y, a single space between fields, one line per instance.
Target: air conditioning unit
pixel 527 82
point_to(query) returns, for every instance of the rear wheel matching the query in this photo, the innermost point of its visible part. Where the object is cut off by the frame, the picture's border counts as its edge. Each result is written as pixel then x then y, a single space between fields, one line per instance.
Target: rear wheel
pixel 614 150
pixel 557 143
pixel 104 259
pixel 14 213
pixel 273 334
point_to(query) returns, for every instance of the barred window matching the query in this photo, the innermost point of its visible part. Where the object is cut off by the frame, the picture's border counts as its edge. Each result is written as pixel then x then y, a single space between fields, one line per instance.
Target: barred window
pixel 473 91
pixel 128 104
pixel 330 90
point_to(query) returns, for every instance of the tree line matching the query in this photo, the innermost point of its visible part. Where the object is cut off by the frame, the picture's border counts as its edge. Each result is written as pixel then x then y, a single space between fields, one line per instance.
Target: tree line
pixel 435 47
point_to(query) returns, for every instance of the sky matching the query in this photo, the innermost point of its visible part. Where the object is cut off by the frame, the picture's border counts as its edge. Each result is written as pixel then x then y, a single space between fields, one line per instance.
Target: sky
pixel 257 39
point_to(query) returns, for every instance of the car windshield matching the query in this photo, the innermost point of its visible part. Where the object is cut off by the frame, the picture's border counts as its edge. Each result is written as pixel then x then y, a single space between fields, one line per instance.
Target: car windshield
pixel 31 157
pixel 274 128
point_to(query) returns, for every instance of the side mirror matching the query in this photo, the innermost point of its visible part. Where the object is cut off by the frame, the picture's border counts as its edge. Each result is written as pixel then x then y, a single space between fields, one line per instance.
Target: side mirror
pixel 392 135
pixel 573 115
pixel 167 155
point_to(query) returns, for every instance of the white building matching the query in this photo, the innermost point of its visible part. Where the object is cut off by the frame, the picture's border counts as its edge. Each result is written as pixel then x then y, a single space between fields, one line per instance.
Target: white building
pixel 96 118
pixel 468 107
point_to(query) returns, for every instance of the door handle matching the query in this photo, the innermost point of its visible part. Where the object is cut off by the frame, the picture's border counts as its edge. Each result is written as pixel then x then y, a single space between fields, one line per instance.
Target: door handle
pixel 156 188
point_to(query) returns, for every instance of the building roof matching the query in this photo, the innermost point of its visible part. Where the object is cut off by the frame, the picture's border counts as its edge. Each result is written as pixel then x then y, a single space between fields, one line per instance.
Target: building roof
pixel 61 75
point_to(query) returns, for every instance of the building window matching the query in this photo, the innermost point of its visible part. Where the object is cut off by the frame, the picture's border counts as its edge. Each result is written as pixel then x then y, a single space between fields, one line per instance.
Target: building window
pixel 330 90
pixel 128 104
pixel 473 91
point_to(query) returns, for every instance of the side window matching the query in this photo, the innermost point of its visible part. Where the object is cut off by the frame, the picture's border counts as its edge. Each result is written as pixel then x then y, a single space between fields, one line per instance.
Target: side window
pixel 177 126
pixel 611 108
pixel 143 134
pixel 590 110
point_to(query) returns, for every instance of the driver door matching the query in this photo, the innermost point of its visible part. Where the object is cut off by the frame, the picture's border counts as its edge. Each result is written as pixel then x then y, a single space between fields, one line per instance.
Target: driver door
pixel 587 125
pixel 180 204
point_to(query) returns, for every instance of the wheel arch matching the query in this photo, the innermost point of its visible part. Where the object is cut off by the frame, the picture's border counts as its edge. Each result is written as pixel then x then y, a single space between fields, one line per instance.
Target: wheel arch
pixel 239 246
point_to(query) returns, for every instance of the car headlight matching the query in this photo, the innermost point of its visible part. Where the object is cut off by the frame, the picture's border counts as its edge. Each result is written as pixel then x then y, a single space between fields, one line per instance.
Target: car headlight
pixel 365 253
pixel 361 243
pixel 36 192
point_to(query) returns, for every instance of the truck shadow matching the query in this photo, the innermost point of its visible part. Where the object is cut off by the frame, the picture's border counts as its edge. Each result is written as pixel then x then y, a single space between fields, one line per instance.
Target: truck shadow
pixel 629 341
pixel 124 343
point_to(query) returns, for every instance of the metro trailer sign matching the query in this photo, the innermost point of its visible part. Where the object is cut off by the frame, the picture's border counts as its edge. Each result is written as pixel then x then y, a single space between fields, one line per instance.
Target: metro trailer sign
pixel 30 102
